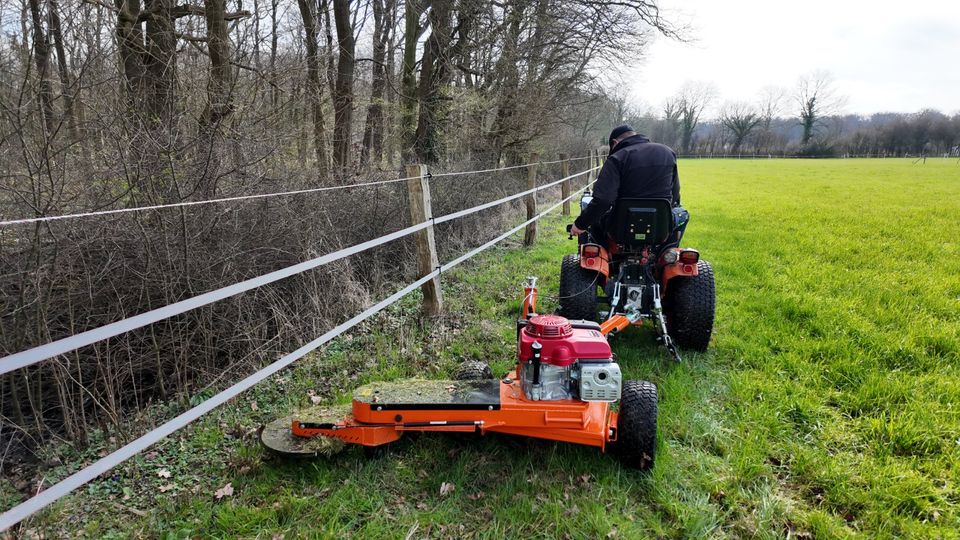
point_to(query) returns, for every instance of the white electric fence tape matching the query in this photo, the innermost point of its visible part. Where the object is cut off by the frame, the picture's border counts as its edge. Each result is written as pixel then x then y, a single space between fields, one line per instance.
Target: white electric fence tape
pixel 74 342
pixel 47 497
pixel 507 168
pixel 41 219
pixel 194 203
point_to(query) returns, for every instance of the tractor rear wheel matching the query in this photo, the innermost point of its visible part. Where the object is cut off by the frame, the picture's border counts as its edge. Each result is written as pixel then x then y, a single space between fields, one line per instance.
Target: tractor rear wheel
pixel 636 443
pixel 473 370
pixel 689 305
pixel 578 290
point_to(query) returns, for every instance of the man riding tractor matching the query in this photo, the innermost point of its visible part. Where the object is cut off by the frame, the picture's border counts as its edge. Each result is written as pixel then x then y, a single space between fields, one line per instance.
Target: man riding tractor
pixel 629 230
pixel 635 168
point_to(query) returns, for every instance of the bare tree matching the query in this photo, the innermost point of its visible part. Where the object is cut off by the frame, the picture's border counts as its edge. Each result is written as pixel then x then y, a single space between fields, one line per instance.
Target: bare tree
pixel 816 99
pixel 408 103
pixel 343 92
pixel 689 105
pixel 384 13
pixel 546 53
pixel 41 55
pixel 668 130
pixel 434 73
pixel 770 103
pixel 769 106
pixel 740 119
pixel 314 86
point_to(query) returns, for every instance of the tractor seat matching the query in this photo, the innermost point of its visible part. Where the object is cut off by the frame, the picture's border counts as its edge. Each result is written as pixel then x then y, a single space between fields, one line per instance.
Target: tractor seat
pixel 642 222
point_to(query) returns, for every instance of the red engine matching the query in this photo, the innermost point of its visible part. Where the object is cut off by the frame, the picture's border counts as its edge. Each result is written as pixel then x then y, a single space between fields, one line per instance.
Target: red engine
pixel 561 343
pixel 560 362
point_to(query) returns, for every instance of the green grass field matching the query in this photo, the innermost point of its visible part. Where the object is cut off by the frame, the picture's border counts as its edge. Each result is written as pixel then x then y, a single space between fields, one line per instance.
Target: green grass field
pixel 828 405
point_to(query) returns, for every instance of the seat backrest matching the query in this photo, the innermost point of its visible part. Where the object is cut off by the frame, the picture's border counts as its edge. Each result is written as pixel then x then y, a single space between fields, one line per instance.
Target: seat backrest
pixel 642 222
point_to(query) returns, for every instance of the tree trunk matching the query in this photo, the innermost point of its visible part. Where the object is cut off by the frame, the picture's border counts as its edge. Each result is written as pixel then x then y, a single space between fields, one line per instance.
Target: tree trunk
pixel 219 94
pixel 505 121
pixel 150 66
pixel 41 55
pixel 130 43
pixel 220 84
pixel 373 130
pixel 433 75
pixel 274 37
pixel 256 34
pixel 408 99
pixel 390 93
pixel 160 62
pixel 69 94
pixel 331 63
pixel 808 119
pixel 343 98
pixel 314 86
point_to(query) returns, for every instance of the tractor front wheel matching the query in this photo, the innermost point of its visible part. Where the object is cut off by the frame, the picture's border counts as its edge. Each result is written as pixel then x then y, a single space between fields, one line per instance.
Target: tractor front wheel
pixel 636 443
pixel 578 290
pixel 689 305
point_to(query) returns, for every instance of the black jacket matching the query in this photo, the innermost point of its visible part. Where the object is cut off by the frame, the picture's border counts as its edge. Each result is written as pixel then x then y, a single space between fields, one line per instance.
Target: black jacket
pixel 635 168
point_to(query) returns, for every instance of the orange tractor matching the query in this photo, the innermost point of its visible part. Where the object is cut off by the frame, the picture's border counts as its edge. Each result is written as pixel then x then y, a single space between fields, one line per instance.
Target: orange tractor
pixel 564 388
pixel 643 274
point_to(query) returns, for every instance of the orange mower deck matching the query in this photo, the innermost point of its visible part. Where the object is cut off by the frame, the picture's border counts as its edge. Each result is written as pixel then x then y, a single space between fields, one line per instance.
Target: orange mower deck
pixel 563 389
pixel 382 412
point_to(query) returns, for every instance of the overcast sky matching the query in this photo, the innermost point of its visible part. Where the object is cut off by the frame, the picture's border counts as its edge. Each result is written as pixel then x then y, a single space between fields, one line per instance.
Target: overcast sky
pixel 883 55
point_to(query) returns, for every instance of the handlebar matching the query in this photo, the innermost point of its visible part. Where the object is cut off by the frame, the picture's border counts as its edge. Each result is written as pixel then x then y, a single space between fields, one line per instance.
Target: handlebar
pixel 569 234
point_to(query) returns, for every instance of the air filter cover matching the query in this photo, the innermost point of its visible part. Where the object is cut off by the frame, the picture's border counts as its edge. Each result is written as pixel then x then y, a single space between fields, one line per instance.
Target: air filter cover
pixel 549 327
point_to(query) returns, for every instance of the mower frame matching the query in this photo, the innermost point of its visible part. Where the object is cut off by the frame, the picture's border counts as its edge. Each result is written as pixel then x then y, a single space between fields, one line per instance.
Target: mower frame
pixel 378 422
pixel 380 413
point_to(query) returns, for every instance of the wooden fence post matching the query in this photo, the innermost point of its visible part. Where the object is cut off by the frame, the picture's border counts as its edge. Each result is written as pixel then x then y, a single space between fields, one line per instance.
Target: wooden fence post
pixel 565 186
pixel 592 165
pixel 418 190
pixel 530 234
pixel 602 152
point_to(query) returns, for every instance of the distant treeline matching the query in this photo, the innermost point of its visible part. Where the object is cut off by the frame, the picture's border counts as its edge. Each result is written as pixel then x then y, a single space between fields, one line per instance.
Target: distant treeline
pixel 805 121
pixel 929 133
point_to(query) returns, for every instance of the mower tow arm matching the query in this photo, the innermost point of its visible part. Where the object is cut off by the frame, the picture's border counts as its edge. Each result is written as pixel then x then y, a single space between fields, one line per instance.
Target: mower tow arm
pixel 617 322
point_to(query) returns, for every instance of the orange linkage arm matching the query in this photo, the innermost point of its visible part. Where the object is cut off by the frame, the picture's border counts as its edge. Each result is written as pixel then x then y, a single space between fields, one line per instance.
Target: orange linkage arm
pixel 614 324
pixel 529 307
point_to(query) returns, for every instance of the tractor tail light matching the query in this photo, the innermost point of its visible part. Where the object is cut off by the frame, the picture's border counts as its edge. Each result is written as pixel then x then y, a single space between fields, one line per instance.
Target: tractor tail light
pixel 590 251
pixel 689 256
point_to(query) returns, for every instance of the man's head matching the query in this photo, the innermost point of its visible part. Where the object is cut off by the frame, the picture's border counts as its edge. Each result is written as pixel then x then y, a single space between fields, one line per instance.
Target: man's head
pixel 618 134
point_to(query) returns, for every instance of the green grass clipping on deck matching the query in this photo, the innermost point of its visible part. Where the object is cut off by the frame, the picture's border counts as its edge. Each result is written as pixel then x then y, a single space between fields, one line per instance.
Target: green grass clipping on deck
pixel 828 404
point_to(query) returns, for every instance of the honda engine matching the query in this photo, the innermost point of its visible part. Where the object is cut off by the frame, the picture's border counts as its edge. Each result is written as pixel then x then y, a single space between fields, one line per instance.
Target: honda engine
pixel 562 359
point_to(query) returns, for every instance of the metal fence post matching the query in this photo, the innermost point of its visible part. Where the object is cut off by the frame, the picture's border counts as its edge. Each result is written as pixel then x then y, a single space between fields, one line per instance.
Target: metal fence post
pixel 530 233
pixel 418 190
pixel 565 186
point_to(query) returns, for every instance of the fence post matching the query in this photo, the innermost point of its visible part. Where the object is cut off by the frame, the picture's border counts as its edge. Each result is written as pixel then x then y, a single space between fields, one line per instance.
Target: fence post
pixel 418 190
pixel 530 234
pixel 594 161
pixel 565 186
